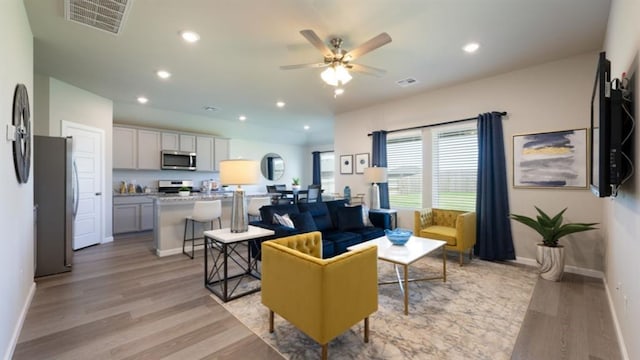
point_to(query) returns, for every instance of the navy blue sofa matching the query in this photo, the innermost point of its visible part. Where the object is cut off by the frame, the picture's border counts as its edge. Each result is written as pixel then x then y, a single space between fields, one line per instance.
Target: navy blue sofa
pixel 341 226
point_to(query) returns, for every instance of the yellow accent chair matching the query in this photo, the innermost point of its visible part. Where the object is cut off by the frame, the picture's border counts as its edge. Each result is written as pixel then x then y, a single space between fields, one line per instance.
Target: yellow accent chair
pixel 457 228
pixel 321 297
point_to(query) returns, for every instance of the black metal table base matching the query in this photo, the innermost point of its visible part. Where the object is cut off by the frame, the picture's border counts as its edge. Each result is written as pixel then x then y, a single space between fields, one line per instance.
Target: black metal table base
pixel 226 283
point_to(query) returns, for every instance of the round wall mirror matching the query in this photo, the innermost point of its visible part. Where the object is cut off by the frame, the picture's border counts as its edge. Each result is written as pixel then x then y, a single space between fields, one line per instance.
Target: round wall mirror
pixel 272 166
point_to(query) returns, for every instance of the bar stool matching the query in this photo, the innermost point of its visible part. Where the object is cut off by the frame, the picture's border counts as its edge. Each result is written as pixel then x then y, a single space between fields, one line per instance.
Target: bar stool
pixel 255 203
pixel 203 212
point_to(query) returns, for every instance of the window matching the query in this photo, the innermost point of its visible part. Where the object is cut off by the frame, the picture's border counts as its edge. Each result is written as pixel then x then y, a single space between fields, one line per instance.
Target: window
pixel 455 167
pixel 327 179
pixel 404 169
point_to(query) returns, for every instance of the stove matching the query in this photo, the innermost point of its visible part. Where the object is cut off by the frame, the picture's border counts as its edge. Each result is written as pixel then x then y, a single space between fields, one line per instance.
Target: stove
pixel 172 186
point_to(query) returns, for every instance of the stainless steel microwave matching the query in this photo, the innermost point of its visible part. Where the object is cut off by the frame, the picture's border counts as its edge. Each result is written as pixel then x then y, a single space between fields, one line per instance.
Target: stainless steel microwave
pixel 178 160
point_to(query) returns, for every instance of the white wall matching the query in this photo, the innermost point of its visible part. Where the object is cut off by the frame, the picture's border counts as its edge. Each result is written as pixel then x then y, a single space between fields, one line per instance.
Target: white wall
pixel 622 44
pixel 59 101
pixel 549 97
pixel 16 208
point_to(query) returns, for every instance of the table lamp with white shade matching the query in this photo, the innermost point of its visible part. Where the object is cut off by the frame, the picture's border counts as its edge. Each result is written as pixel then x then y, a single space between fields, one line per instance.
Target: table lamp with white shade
pixel 239 172
pixel 375 175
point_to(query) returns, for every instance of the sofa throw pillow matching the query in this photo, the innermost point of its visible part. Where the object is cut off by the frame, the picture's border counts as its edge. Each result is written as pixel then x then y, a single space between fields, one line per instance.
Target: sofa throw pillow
pixel 304 222
pixel 365 214
pixel 350 218
pixel 283 220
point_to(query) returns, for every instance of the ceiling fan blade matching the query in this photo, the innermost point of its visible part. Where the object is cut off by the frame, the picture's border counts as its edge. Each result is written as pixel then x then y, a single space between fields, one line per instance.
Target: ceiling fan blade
pixel 303 66
pixel 368 70
pixel 315 40
pixel 368 46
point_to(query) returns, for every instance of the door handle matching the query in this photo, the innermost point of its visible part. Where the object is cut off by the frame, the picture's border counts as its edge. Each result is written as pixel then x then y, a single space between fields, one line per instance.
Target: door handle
pixel 98 193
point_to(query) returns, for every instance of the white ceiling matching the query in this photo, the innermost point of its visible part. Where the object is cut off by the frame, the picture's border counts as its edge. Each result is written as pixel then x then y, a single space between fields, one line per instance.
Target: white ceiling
pixel 235 65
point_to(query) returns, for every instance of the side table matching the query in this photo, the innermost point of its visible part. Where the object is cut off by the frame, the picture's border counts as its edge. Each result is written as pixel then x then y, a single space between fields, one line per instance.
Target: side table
pixel 390 216
pixel 224 248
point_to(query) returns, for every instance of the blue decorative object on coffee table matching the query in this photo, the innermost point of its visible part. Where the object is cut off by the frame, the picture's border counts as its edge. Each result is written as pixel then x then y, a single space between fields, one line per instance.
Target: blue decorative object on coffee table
pixel 398 236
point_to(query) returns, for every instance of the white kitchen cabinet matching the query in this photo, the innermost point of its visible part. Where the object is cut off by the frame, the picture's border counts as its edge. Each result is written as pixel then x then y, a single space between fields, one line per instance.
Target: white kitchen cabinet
pixel 187 142
pixel 132 214
pixel 149 144
pixel 170 141
pixel 204 153
pixel 146 216
pixel 221 152
pixel 125 152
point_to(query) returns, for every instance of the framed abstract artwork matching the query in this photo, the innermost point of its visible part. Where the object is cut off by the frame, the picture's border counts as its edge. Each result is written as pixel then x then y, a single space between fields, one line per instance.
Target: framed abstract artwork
pixel 550 160
pixel 346 164
pixel 362 162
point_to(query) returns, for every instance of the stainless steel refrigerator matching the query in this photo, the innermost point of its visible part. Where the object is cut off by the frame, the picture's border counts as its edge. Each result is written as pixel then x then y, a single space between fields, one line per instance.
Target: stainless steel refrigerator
pixel 54 200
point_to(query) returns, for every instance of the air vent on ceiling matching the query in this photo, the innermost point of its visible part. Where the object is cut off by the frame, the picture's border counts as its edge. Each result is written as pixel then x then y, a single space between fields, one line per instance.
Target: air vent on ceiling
pixel 407 82
pixel 105 15
pixel 210 108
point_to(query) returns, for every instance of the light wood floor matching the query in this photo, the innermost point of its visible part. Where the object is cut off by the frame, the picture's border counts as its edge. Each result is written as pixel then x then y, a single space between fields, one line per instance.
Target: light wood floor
pixel 122 302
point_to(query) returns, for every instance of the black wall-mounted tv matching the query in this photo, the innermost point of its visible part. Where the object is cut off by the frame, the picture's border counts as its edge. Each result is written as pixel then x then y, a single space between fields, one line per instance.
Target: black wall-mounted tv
pixel 609 165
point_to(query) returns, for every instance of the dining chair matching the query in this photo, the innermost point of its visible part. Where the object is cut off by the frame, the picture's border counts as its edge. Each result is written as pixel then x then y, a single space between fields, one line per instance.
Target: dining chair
pixel 313 194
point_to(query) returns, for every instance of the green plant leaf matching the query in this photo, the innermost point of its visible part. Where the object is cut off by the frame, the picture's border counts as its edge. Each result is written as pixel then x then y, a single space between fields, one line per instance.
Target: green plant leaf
pixel 552 229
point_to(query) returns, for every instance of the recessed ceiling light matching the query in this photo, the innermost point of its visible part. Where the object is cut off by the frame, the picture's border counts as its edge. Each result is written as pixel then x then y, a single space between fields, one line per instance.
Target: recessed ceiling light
pixel 142 100
pixel 471 47
pixel 163 74
pixel 242 118
pixel 190 36
pixel 280 104
pixel 306 127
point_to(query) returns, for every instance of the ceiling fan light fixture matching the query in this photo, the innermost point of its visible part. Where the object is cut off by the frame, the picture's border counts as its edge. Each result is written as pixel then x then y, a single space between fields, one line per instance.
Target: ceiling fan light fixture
pixel 336 75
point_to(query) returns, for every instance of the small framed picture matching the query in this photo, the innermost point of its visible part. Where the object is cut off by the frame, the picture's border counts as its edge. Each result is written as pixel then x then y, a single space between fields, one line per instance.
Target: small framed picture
pixel 346 164
pixel 362 162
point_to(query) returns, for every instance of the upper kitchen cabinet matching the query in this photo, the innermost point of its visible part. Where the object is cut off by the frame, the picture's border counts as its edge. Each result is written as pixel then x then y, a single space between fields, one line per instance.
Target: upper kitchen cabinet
pixel 205 153
pixel 149 143
pixel 125 153
pixel 221 152
pixel 178 142
pixel 170 141
pixel 187 143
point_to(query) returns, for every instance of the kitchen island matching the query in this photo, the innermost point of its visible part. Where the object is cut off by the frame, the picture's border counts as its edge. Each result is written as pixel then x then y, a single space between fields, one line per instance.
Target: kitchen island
pixel 170 212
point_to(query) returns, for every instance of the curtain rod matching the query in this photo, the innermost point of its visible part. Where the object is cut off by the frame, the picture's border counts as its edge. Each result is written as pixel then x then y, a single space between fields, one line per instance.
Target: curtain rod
pixel 503 113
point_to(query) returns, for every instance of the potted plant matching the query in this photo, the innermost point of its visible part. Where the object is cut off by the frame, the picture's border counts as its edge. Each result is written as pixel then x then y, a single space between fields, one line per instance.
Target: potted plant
pixel 184 191
pixel 295 184
pixel 550 255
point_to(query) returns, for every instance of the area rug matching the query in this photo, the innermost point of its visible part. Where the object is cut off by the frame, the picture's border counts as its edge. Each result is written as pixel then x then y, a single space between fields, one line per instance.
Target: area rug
pixel 476 314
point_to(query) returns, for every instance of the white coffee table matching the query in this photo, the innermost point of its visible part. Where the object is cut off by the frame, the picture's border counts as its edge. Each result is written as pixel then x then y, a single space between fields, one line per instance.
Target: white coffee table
pixel 415 249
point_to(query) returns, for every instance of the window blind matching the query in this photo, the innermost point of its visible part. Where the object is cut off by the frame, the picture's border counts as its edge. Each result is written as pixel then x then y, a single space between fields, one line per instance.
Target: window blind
pixel 455 168
pixel 404 170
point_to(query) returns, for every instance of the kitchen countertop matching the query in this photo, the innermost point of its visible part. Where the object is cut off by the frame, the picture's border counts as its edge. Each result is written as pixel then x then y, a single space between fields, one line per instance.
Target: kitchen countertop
pixel 171 198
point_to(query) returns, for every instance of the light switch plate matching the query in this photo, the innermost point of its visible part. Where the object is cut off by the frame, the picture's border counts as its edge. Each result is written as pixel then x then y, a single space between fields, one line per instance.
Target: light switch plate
pixel 11 132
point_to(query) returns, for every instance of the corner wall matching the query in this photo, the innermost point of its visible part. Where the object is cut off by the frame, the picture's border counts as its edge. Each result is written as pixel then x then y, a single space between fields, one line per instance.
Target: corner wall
pixel 622 44
pixel 16 208
pixel 548 97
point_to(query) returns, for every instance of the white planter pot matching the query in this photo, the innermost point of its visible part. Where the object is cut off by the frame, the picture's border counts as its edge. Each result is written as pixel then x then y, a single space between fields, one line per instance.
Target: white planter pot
pixel 184 193
pixel 551 260
pixel 295 187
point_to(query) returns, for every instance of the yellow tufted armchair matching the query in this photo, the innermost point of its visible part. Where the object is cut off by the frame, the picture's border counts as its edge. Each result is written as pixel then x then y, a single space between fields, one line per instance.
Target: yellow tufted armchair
pixel 321 297
pixel 457 228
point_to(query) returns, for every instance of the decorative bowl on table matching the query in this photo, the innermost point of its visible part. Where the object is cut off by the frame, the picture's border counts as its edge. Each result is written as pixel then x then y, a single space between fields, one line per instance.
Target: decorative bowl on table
pixel 398 236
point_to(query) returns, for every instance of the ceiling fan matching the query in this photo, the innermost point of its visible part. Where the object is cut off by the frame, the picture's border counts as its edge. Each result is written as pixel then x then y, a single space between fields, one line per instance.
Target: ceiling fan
pixel 338 61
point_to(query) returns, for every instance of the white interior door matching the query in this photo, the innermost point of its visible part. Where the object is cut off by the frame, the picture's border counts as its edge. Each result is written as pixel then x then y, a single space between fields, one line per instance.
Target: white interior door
pixel 88 159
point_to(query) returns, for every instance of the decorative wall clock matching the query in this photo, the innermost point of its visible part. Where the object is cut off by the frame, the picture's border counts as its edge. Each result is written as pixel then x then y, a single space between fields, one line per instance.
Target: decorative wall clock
pixel 22 141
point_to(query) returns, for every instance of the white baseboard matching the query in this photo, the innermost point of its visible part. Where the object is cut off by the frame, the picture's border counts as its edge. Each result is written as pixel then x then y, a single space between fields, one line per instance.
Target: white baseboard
pixel 107 240
pixel 568 268
pixel 169 252
pixel 18 328
pixel 621 343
